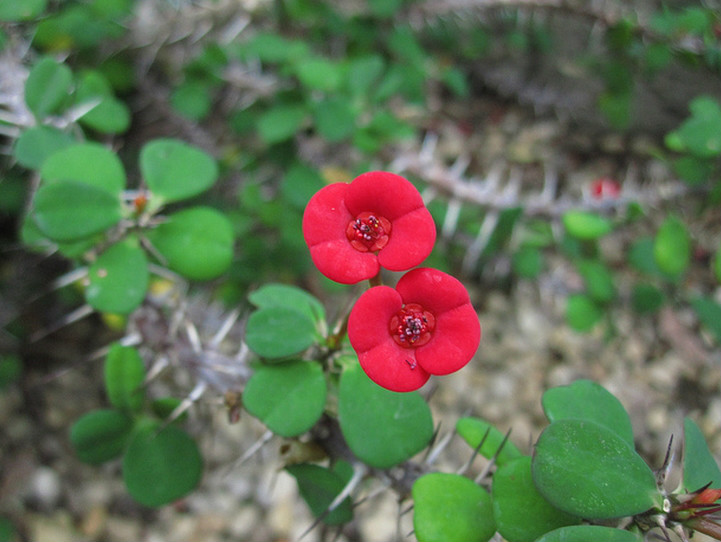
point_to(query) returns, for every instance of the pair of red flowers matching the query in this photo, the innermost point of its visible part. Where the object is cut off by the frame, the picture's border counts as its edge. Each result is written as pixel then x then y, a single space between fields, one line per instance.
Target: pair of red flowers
pixel 426 324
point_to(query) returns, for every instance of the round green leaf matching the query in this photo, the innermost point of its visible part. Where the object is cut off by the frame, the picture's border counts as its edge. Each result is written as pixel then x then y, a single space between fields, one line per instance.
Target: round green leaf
pixel 334 118
pixel 280 123
pixel 90 163
pixel 709 313
pixel 319 73
pixel 585 225
pixel 527 262
pixel 118 278
pixel 192 100
pixel 646 298
pixel 289 398
pixel 13 10
pixel 587 470
pixel 195 242
pixel 300 183
pixel 109 115
pixel 163 407
pixel 278 332
pixel 69 211
pixel 588 400
pixel 286 295
pixel 586 533
pixel 582 313
pixel 382 427
pixel 160 467
pixel 37 143
pixel 451 508
pixel 175 170
pixel 521 512
pixel 47 87
pixel 100 435
pixel 598 279
pixel 699 466
pixel 319 486
pixel 672 247
pixel 474 431
pixel 124 373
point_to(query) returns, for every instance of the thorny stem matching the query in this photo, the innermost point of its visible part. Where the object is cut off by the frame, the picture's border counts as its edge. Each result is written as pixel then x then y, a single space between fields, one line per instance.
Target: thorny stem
pixel 705 526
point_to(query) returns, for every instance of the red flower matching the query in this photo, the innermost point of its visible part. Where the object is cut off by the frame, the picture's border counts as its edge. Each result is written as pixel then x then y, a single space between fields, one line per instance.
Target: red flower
pixel 379 219
pixel 605 188
pixel 425 326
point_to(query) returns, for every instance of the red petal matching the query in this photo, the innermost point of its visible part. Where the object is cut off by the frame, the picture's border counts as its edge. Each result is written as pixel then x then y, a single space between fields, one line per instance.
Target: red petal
pixel 325 217
pixel 387 194
pixel 411 241
pixel 340 262
pixel 393 367
pixel 435 290
pixel 454 343
pixel 369 318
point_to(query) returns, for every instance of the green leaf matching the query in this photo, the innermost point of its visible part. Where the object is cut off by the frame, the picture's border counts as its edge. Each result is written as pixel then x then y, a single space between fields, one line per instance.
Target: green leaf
pixel 527 262
pixel 701 133
pixel 318 73
pixel 588 400
pixel 280 123
pixel 641 256
pixel 300 183
pixel 89 163
pixel 286 295
pixel 176 171
pixel 672 247
pixel 587 470
pixel 163 407
pixel 68 211
pixel 14 11
pixel 363 73
pixel 334 118
pixel 692 169
pixel 474 430
pixel 124 373
pixel 47 87
pixel 521 512
pixel 288 398
pixel 192 100
pixel 161 466
pixel 646 298
pixel 319 486
pixel 586 533
pixel 11 367
pixel 585 225
pixel 699 466
pixel 100 435
pixel 277 332
pixel 709 313
pixel 109 115
pixel 717 264
pixel 196 242
pixel 582 312
pixel 382 427
pixel 118 278
pixel 451 508
pixel 37 143
pixel 598 279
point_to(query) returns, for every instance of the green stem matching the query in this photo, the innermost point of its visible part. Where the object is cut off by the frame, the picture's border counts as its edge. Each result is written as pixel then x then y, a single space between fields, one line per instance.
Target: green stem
pixel 376 281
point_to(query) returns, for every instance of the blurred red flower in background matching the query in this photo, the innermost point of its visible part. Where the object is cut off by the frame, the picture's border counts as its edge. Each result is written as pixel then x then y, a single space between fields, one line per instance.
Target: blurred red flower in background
pixel 377 220
pixel 425 326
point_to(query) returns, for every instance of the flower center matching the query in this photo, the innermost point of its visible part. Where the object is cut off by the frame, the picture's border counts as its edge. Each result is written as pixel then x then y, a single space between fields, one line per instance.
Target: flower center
pixel 412 326
pixel 368 232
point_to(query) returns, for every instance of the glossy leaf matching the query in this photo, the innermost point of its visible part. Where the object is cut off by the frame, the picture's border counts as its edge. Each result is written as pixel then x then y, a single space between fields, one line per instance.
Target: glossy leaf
pixel 588 533
pixel 382 427
pixel 278 332
pixel 588 400
pixel 699 466
pixel 700 133
pixel 319 486
pixel 176 171
pixel 89 163
pixel 598 279
pixel 47 87
pixel 118 279
pixel 196 242
pixel 288 398
pixel 522 514
pixel 672 247
pixel 69 211
pixel 451 508
pixel 318 73
pixel 474 430
pixel 286 295
pixel 161 466
pixel 585 225
pixel 582 312
pixel 108 114
pixel 280 123
pixel 334 118
pixel 37 143
pixel 163 407
pixel 587 470
pixel 124 373
pixel 100 435
pixel 527 262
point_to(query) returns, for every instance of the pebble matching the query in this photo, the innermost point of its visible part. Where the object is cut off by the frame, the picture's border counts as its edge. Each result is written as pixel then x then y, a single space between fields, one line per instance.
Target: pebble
pixel 45 487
